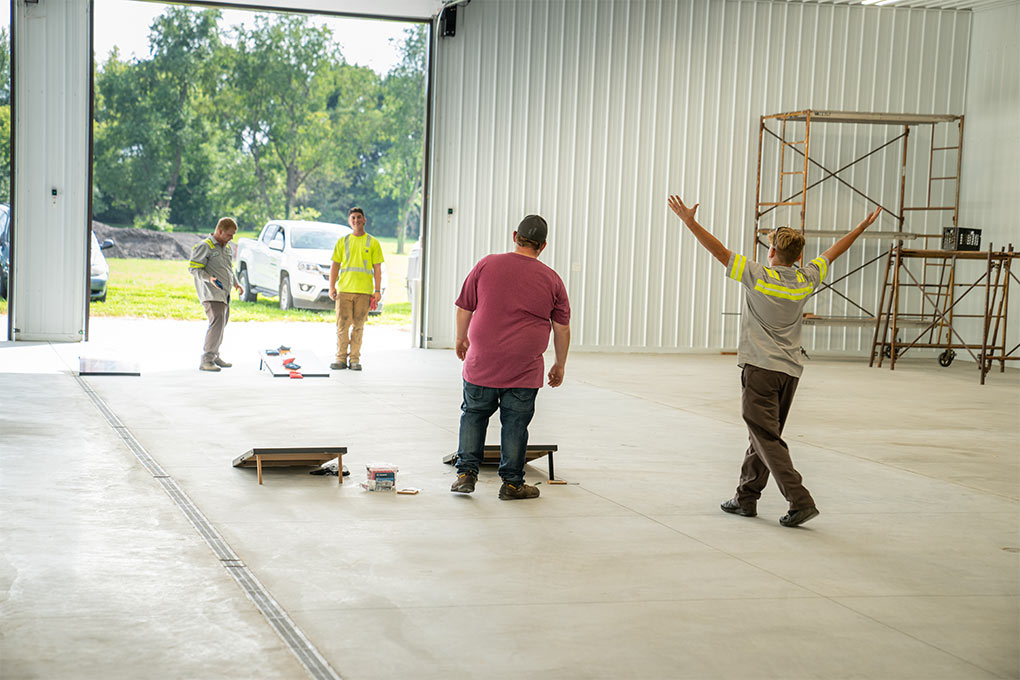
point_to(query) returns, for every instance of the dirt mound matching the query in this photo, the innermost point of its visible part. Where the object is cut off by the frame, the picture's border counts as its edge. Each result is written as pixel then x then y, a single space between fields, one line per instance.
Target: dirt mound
pixel 143 243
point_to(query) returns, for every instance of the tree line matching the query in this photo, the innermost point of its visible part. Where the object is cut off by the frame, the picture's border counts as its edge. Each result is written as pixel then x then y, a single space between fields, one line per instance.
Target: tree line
pixel 258 122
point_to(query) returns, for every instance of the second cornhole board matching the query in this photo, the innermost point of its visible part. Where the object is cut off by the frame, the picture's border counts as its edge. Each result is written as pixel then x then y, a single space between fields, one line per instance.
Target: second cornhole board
pixel 103 366
pixel 311 365
pixel 312 456
pixel 490 455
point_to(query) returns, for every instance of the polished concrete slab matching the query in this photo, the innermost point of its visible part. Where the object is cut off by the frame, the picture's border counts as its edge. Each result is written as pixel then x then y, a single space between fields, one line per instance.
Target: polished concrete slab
pixel 630 570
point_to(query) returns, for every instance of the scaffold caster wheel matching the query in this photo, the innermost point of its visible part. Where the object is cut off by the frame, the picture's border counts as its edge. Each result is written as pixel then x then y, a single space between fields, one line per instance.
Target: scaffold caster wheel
pixel 946 358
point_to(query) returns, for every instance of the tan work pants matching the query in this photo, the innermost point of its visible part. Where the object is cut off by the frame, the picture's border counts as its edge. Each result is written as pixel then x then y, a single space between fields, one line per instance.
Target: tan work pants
pixel 351 313
pixel 766 399
pixel 218 314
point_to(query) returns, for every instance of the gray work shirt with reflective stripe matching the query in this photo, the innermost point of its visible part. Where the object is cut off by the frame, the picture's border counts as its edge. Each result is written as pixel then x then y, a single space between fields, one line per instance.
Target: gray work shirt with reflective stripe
pixel 210 259
pixel 774 299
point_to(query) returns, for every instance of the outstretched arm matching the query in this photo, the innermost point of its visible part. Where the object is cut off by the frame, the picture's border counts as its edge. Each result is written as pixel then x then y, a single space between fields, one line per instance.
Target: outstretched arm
pixel 711 243
pixel 841 246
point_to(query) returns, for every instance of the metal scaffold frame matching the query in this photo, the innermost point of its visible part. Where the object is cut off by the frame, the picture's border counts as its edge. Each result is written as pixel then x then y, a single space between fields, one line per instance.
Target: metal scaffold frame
pixel 939 311
pixel 800 151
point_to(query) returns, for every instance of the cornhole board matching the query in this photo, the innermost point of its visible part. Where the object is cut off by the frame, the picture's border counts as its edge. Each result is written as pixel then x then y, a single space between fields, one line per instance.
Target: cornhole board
pixel 311 365
pixel 313 456
pixel 490 455
pixel 99 366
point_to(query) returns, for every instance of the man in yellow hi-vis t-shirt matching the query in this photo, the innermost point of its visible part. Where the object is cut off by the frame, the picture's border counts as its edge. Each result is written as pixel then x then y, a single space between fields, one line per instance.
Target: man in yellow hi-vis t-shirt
pixel 357 263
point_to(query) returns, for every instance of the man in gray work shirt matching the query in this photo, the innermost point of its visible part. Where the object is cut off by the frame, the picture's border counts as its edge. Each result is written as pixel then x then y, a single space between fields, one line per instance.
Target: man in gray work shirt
pixel 212 265
pixel 770 355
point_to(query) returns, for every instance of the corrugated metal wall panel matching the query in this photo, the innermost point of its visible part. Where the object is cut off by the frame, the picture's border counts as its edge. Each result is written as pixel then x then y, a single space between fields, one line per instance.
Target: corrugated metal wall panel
pixel 591 113
pixel 51 124
pixel 990 199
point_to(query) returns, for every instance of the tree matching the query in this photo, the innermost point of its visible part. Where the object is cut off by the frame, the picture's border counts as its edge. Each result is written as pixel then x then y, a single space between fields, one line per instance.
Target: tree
pixel 289 104
pixel 401 168
pixel 183 42
pixel 149 117
pixel 5 114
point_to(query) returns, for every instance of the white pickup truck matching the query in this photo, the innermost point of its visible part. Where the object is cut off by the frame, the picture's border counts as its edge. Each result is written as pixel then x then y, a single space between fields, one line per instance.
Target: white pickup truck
pixel 291 259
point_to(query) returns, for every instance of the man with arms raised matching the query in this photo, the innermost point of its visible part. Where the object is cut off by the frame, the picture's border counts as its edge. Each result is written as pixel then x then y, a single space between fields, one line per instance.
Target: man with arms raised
pixel 770 354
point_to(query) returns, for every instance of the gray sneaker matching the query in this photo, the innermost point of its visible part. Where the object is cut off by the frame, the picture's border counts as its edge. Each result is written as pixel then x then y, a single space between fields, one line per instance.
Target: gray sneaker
pixel 208 366
pixel 355 366
pixel 221 363
pixel 513 492
pixel 465 482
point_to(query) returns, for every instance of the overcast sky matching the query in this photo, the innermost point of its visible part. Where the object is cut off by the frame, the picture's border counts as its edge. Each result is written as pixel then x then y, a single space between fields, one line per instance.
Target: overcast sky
pixel 125 23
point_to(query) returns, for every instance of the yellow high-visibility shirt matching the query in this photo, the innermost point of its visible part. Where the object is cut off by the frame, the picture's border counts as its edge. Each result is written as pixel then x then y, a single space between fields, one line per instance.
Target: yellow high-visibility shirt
pixel 357 257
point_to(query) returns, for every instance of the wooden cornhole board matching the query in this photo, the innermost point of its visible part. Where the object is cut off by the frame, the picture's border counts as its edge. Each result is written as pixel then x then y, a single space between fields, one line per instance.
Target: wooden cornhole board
pixel 490 455
pixel 311 365
pixel 312 456
pixel 101 366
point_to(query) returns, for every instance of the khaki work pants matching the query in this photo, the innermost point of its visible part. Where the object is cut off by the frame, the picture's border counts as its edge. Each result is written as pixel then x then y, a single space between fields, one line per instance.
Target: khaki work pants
pixel 218 314
pixel 351 313
pixel 766 399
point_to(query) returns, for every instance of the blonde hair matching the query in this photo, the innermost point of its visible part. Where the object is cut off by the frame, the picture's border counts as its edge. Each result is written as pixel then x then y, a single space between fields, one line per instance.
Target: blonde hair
pixel 226 224
pixel 789 244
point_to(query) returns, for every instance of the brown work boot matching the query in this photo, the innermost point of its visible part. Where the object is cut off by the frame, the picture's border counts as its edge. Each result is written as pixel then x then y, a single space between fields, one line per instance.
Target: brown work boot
pixel 519 491
pixel 465 482
pixel 221 363
pixel 208 366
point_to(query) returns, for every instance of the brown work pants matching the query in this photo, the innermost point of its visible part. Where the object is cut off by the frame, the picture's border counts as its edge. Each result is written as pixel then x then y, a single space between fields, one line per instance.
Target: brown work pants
pixel 218 314
pixel 766 399
pixel 351 313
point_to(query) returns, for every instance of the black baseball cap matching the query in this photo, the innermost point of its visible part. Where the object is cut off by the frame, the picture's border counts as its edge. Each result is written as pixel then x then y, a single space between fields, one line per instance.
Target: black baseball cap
pixel 533 228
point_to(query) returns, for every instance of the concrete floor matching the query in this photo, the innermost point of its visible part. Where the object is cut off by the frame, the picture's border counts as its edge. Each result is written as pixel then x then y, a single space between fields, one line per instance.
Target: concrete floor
pixel 630 571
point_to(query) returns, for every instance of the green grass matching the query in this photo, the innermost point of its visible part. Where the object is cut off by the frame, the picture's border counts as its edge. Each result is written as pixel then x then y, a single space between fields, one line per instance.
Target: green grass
pixel 164 289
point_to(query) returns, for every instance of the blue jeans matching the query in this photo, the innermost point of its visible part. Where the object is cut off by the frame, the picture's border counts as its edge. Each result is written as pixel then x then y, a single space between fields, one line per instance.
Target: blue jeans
pixel 516 409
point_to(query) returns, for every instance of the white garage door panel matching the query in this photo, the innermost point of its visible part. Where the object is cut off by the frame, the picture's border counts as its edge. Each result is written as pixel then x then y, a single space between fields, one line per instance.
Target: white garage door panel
pixel 51 137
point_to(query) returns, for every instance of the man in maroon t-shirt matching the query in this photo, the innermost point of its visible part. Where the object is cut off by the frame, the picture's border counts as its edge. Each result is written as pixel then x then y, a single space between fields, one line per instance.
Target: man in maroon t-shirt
pixel 506 307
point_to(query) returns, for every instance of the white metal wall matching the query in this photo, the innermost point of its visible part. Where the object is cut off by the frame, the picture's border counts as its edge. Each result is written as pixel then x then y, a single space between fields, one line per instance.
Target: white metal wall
pixel 990 197
pixel 591 112
pixel 51 154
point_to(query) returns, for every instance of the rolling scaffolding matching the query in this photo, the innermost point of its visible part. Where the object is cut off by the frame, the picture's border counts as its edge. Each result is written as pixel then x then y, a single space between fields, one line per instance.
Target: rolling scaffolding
pixel 793 133
pixel 785 148
pixel 941 317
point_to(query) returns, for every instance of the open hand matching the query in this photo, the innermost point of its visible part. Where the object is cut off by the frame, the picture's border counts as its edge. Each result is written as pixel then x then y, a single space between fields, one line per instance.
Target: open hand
pixel 682 211
pixel 869 220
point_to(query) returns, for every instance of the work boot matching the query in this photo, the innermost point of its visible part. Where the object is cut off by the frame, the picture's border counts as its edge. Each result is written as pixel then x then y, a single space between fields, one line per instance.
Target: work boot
pixel 731 506
pixel 465 482
pixel 221 363
pixel 338 365
pixel 518 491
pixel 794 518
pixel 355 366
pixel 208 366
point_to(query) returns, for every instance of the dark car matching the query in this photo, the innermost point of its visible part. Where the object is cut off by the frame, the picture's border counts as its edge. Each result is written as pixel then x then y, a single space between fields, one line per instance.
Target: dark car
pixel 99 272
pixel 5 247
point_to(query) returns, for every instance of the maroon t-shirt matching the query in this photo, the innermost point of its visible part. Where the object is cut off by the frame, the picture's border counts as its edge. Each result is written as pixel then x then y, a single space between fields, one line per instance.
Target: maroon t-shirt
pixel 514 299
